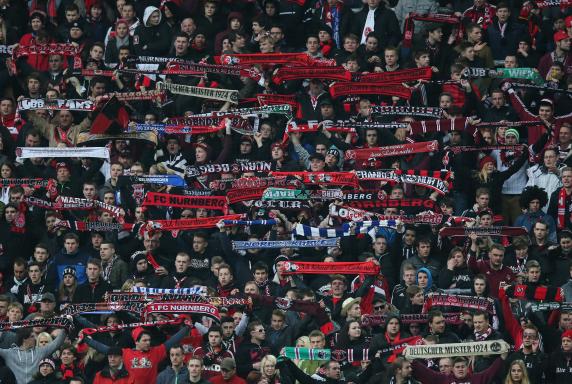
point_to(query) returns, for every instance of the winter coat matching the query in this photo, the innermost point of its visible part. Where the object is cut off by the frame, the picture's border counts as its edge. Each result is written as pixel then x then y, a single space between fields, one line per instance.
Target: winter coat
pixel 152 40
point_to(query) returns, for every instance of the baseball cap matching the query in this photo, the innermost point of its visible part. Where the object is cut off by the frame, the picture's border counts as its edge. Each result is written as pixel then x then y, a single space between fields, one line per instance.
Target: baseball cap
pixel 560 35
pixel 49 297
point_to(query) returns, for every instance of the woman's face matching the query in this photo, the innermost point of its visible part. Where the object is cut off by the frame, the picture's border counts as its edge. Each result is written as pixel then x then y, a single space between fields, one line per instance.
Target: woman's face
pixel 122 30
pixel 516 372
pixel 371 44
pixel 142 265
pixel 250 289
pixel 354 331
pixel 95 12
pixel 14 314
pixel 226 45
pixel 422 279
pixel 269 369
pixel 393 326
pixel 479 285
pixel 266 131
pixel 69 280
pixel 42 341
pixel 418 299
pixel 200 154
pixel 5 171
pixel 168 13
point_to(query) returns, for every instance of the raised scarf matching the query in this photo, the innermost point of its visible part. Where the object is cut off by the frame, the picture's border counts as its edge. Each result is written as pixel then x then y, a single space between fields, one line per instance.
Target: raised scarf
pixel 65 49
pixel 472 148
pixel 35 183
pixel 503 73
pixel 347 229
pixel 50 152
pixel 186 224
pixel 203 309
pixel 281 204
pixel 324 268
pixel 328 178
pixel 119 327
pixel 249 222
pixel 462 301
pixel 334 242
pixel 247 59
pixel 180 201
pixel 52 322
pixel 535 292
pixel 392 203
pixel 482 231
pixel 267 99
pixel 172 180
pixel 244 194
pixel 413 318
pixel 230 95
pixel 396 77
pixel 253 166
pixel 365 154
pixel 56 104
pixel 543 88
pixel 474 348
pixel 561 213
pixel 252 182
pixel 311 72
pixel 73 203
pixel 407 111
pixel 286 194
pixel 409 28
pixel 75 309
pixel 390 89
pixel 398 176
pixel 89 226
pixel 149 95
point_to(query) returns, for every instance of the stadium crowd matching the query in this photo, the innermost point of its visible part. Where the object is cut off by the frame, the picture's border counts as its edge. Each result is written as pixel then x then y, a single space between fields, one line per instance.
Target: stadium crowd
pixel 282 191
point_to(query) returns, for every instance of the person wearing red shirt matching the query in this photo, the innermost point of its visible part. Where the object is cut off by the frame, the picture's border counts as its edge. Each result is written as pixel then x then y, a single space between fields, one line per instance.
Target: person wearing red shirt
pixel 143 362
pixel 227 373
pixel 493 268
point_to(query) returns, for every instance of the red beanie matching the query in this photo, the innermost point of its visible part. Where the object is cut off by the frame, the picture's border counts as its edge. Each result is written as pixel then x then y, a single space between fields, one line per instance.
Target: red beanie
pixel 567 334
pixel 484 160
pixel 136 332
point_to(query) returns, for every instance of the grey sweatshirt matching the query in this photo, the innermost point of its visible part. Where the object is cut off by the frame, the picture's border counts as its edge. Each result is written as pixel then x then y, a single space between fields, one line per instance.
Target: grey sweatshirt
pixel 25 363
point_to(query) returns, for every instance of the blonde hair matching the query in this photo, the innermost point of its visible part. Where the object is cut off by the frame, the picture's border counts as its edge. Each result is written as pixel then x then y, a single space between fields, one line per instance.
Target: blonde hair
pixel 266 360
pixel 305 340
pixel 525 379
pixel 43 334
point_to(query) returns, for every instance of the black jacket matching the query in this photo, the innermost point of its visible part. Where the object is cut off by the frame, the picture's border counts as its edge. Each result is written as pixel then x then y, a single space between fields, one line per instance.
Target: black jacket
pixel 88 293
pixel 386 25
pixel 559 368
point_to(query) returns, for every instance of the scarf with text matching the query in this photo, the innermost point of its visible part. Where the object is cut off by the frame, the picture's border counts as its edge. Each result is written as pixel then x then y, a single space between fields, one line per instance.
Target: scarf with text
pixel 180 129
pixel 247 59
pixel 180 201
pixel 244 194
pixel 172 180
pixel 286 194
pixel 185 224
pixel 230 95
pixel 327 178
pixel 412 318
pixel 408 111
pixel 182 307
pixel 409 28
pixel 161 295
pixel 119 327
pixel 88 226
pixel 35 183
pixel 50 152
pixel 201 124
pixel 376 202
pixel 266 100
pixel 75 309
pixel 409 177
pixel 56 104
pixel 365 154
pixel 149 95
pixel 471 148
pixel 554 3
pixel 390 89
pixel 334 242
pixel 253 166
pixel 550 306
pixel 544 88
pixel 196 290
pixel 281 204
pixel 250 222
pixel 352 214
pixel 347 229
pixel 462 301
pixel 503 73
pixel 482 231
pixel 323 268
pixel 252 182
pixel 53 322
pixel 396 77
pixel 311 72
pixel 340 355
pixel 474 348
pixel 73 203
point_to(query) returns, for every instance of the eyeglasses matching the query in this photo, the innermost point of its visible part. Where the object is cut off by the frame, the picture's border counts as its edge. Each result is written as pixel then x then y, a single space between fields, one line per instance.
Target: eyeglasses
pixel 529 335
pixel 261 330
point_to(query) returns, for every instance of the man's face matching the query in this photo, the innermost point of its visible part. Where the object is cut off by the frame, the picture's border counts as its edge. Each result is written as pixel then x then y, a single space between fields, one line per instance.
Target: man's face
pixel 210 9
pixel 260 276
pixel 540 231
pixel 277 322
pixel 143 344
pixel 476 35
pixel 423 61
pixel 510 62
pixel 32 141
pixel 195 368
pixel 72 16
pixel 495 258
pixel 566 244
pixel 258 333
pixel 6 107
pixel 89 191
pixel 436 35
pixel 545 112
pixel 334 371
pixel 390 57
pixel 373 3
pixel 188 26
pixel 445 365
pixel 317 342
pixel 40 255
pixel 176 355
pixel 19 272
pixel 227 329
pixel 350 45
pixel 114 361
pixel 266 46
pixel 380 246
pixel 181 263
pixel 424 249
pixel 93 272
pixel 277 34
pixel 406 369
pixel 35 274
pixel 480 323
pixel 317 165
pixel 564 45
pixel 312 45
pixel 503 14
pixel 567 179
pixel 565 321
pixel 529 336
pixel 438 324
pixel 483 201
pixel 565 135
pixel 106 252
pixel 55 63
pixel 66 119
pixel 371 138
pixel 71 245
pixel 550 159
pixel 460 370
pixel 127 12
pixel 33 85
pixel 338 287
pixel 199 244
pixel 533 275
pixel 497 99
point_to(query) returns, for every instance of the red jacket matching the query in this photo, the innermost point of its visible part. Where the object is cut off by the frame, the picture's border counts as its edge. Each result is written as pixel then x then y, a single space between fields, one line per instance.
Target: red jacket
pixel 105 377
pixel 233 380
pixel 427 375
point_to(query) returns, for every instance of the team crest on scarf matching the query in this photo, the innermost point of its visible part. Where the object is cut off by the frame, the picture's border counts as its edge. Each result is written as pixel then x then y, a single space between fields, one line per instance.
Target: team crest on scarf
pixel 283 303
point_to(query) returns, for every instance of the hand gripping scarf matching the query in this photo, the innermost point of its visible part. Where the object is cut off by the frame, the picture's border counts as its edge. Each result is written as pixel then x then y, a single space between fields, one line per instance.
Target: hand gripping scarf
pixel 180 201
pixel 391 151
pixel 474 348
pixel 185 224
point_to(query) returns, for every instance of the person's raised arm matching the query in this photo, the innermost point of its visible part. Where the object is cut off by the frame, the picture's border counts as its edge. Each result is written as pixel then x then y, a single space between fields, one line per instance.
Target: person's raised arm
pixel 177 337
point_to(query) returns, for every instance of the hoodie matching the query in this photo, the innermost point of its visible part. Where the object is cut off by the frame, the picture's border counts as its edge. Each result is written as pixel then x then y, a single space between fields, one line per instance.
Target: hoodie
pixel 429 286
pixel 152 40
pixel 25 363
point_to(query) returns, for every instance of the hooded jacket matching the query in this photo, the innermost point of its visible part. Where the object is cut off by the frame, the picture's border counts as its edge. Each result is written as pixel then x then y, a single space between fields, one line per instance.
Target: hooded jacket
pixel 25 363
pixel 152 40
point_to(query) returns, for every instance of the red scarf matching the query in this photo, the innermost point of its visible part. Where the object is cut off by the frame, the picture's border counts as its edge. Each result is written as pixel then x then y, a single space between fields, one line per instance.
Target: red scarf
pixel 562 198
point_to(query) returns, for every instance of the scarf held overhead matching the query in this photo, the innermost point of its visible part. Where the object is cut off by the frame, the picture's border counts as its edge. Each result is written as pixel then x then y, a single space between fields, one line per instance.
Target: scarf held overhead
pixel 181 201
pixel 229 95
pixel 391 151
pixel 323 268
pixel 334 242
pixel 475 348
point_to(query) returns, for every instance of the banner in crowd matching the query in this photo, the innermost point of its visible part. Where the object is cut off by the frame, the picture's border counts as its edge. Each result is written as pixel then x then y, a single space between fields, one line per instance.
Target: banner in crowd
pixel 237 245
pixel 473 348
